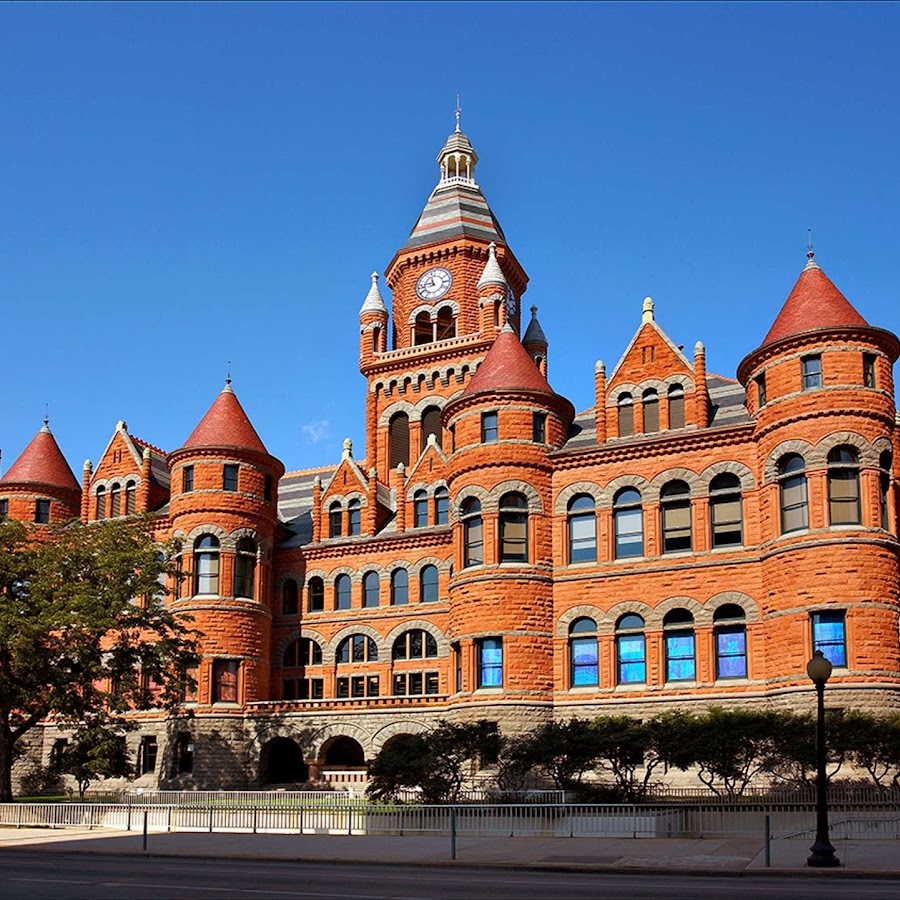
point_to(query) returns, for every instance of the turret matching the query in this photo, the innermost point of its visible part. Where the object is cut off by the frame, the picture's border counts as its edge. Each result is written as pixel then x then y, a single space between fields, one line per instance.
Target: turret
pixel 821 391
pixel 505 423
pixel 535 342
pixel 373 323
pixel 492 295
pixel 223 507
pixel 39 486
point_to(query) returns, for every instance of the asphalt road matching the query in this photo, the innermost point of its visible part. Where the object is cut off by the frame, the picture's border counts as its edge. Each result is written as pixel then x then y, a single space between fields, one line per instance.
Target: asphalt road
pixel 48 875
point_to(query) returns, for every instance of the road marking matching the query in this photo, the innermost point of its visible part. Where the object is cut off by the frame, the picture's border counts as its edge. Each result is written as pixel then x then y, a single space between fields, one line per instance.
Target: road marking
pixel 51 880
pixel 225 890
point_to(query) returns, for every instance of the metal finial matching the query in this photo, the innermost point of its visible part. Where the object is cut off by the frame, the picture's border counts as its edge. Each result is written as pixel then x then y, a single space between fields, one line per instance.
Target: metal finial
pixel 228 374
pixel 810 253
pixel 46 415
pixel 458 111
pixel 533 311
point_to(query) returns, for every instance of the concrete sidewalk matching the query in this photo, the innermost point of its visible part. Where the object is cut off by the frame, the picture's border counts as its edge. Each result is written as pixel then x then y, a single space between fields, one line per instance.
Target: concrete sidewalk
pixel 872 858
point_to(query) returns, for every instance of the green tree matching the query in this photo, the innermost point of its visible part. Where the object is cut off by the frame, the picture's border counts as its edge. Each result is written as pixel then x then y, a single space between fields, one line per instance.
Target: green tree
pixel 874 743
pixel 80 610
pixel 404 762
pixel 92 754
pixel 561 751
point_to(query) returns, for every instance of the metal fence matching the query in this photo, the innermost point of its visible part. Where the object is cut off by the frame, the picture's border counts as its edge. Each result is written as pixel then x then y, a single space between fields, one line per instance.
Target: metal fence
pixel 513 820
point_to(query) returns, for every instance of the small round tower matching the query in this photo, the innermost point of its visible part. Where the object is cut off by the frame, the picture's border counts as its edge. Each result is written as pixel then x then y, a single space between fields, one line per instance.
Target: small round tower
pixel 224 508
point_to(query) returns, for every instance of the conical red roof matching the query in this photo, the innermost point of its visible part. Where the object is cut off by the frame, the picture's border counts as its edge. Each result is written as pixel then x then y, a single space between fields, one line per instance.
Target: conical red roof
pixel 226 425
pixel 508 366
pixel 42 462
pixel 814 303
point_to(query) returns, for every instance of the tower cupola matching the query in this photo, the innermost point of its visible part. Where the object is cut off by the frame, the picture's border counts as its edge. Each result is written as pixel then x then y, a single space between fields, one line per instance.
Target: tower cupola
pixel 457 159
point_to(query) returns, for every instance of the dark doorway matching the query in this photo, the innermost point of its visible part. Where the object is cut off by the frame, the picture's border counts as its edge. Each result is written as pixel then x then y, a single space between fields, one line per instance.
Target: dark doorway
pixel 281 762
pixel 344 752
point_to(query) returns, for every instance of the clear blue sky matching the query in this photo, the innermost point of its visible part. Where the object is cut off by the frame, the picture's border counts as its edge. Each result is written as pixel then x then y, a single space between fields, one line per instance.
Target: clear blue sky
pixel 181 185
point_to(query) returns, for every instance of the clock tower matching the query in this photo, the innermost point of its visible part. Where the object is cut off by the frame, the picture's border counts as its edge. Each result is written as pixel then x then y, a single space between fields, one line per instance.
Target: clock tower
pixel 455 284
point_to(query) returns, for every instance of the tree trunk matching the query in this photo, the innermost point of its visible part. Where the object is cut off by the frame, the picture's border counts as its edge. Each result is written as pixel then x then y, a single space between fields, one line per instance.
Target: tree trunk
pixel 6 761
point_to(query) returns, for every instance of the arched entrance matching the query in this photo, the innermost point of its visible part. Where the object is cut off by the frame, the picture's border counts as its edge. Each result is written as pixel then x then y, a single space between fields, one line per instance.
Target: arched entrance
pixel 344 753
pixel 281 762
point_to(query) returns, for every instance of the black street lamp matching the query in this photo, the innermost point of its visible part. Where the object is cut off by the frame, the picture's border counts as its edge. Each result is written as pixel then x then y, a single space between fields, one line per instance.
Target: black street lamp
pixel 822 855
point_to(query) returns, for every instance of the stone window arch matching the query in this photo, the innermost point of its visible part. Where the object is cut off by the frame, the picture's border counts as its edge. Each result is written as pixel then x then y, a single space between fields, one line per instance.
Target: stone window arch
pixel 564 497
pixel 356 648
pixel 414 643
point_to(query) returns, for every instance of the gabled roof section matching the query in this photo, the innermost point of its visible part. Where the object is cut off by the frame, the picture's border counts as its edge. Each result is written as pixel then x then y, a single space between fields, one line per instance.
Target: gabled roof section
pixel 507 366
pixel 42 462
pixel 348 476
pixel 813 304
pixel 435 455
pixel 226 425
pixel 630 363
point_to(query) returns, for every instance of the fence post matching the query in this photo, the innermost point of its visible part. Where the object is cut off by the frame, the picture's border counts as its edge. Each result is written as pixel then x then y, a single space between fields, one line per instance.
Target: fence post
pixel 210 820
pixel 768 842
pixel 19 816
pixel 144 847
pixel 452 832
pixel 128 819
pixel 255 811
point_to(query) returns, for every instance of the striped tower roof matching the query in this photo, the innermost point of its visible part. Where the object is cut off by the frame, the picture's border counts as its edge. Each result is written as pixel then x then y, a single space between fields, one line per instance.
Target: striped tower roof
pixel 456 207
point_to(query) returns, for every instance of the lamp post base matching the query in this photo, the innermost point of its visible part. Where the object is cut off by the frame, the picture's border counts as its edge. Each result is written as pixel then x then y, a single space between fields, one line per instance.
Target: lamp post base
pixel 822 855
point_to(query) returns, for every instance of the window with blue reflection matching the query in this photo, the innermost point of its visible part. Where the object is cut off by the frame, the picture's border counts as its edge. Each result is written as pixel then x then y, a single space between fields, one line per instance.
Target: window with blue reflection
pixel 731 641
pixel 490 662
pixel 585 667
pixel 681 661
pixel 631 650
pixel 830 636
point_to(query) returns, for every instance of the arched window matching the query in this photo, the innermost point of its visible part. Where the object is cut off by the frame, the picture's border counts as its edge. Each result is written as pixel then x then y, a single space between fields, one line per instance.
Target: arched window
pixel 441 506
pixel 884 489
pixel 335 515
pixel 130 498
pixel 473 533
pixel 100 508
pixel 206 564
pixel 631 649
pixel 675 505
pixel 342 592
pixel 420 509
pixel 730 628
pixel 628 519
pixel 357 648
pixel 244 567
pixel 415 644
pixel 676 406
pixel 431 425
pixel 354 517
pixel 792 488
pixel 584 665
pixel 681 657
pixel 398 437
pixel 302 652
pixel 371 589
pixel 582 529
pixel 651 411
pixel 513 528
pixel 315 594
pixel 725 510
pixel 843 486
pixel 399 587
pixel 625 406
pixel 115 500
pixel 428 584
pixel 289 598
pixel 446 324
pixel 423 330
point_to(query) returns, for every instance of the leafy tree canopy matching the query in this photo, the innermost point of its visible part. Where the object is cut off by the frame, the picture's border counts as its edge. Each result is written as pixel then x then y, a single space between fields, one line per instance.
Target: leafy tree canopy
pixel 83 629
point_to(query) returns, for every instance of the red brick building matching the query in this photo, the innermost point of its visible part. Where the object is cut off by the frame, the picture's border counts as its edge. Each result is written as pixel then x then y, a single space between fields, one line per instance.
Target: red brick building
pixel 688 540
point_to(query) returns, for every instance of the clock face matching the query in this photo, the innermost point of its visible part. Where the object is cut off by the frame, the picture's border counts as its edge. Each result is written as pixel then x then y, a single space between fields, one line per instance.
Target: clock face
pixel 433 284
pixel 510 302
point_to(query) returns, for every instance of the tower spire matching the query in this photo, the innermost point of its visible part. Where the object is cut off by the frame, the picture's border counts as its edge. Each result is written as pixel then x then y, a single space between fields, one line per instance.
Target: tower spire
pixel 458 112
pixel 810 253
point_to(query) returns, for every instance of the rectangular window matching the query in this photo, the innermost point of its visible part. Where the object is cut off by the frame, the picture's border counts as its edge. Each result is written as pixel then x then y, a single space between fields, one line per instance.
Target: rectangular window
pixel 431 682
pixel 539 428
pixel 4 509
pixel 42 512
pixel 415 682
pixel 761 390
pixel 187 479
pixel 457 667
pixel 830 636
pixel 358 686
pixel 681 662
pixel 676 523
pixel 632 653
pixel 869 370
pixel 629 533
pixel 452 430
pixel 651 415
pixel 225 680
pixel 312 689
pixel 184 753
pixel 399 685
pixel 343 688
pixel 490 662
pixel 585 663
pixel 230 477
pixel 147 755
pixel 811 367
pixel 489 433
pixel 731 652
pixel 726 521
